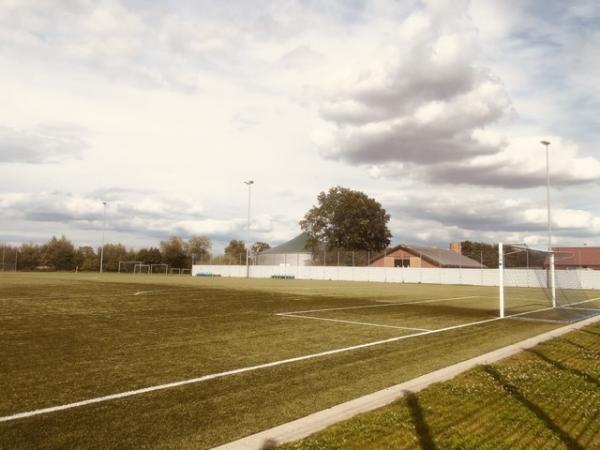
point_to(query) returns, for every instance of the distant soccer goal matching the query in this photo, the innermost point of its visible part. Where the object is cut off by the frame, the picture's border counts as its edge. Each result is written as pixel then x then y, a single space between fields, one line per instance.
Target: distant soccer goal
pixel 128 266
pixel 142 268
pixel 186 271
pixel 175 271
pixel 159 268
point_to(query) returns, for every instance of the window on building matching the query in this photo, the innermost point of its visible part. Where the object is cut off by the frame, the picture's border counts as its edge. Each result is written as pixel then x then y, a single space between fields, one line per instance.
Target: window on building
pixel 401 262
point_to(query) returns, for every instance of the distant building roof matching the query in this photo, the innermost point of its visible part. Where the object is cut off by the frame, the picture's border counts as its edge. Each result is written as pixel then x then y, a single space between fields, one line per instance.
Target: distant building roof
pixel 296 245
pixel 577 256
pixel 443 257
pixel 437 256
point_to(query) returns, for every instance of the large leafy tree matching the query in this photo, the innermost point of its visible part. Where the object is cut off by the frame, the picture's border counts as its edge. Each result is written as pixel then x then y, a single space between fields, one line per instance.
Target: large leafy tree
pixel 236 250
pixel 149 255
pixel 86 259
pixel 30 256
pixel 59 254
pixel 173 252
pixel 347 219
pixel 198 248
pixel 113 253
pixel 258 247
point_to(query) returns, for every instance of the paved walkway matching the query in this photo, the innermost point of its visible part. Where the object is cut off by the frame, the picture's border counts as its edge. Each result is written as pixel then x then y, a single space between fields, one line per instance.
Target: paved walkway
pixel 308 425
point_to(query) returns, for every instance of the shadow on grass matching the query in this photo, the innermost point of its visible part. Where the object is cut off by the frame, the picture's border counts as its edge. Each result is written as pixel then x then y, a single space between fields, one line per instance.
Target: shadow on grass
pixel 514 392
pixel 575 344
pixel 590 332
pixel 421 427
pixel 587 377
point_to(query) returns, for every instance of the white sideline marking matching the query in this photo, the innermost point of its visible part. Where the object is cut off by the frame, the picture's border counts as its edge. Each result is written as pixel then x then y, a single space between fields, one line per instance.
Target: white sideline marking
pixel 305 426
pixel 581 309
pixel 381 305
pixel 533 319
pixel 353 322
pixel 213 376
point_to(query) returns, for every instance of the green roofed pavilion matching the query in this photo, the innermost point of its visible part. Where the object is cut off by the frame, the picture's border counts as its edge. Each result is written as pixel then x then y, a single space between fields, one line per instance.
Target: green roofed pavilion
pixel 293 253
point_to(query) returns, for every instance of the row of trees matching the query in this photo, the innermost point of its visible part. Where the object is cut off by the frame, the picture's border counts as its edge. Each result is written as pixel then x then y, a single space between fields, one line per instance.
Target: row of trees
pixel 514 256
pixel 62 254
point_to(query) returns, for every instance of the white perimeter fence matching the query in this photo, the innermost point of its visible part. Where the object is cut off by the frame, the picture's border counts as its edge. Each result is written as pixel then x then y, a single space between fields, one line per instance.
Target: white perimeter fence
pixel 535 278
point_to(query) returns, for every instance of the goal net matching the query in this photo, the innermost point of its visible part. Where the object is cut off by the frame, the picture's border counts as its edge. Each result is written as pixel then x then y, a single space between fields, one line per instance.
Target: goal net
pixel 141 268
pixel 128 266
pixel 535 286
pixel 159 268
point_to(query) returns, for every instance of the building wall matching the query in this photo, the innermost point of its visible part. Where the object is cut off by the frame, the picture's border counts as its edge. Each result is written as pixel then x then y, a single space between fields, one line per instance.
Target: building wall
pixel 290 259
pixel 389 260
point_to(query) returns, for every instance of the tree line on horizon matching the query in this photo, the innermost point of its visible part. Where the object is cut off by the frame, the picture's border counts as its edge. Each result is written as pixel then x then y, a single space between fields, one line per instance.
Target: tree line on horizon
pixel 61 254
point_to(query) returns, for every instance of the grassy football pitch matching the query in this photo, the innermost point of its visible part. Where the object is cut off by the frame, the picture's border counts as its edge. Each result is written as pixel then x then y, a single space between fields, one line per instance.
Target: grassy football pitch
pixel 153 361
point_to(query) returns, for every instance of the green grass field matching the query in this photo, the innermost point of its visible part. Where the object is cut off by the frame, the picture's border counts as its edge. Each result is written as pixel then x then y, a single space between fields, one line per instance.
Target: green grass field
pixel 545 397
pixel 67 338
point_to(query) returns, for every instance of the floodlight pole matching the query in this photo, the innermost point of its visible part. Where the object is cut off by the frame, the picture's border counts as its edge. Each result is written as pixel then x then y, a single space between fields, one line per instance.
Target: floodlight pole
pixel 103 229
pixel 501 277
pixel 249 183
pixel 551 277
pixel 547 145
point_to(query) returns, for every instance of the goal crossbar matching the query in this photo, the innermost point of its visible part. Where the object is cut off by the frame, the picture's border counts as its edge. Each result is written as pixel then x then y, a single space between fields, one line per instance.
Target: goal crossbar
pixel 551 267
pixel 128 262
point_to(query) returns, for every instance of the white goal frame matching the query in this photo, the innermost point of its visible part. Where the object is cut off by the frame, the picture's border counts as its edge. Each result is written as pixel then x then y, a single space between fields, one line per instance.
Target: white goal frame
pixel 166 267
pixel 184 271
pixel 140 267
pixel 501 268
pixel 175 270
pixel 129 262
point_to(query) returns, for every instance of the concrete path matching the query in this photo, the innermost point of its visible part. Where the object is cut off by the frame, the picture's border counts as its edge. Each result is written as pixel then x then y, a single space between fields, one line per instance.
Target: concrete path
pixel 308 425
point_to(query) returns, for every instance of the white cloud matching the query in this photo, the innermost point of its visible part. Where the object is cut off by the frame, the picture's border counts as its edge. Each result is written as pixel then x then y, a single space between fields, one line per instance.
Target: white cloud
pixel 422 103
pixel 181 101
pixel 42 144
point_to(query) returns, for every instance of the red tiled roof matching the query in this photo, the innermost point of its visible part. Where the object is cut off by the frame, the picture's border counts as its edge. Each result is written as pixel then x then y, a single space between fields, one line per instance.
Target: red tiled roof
pixel 577 256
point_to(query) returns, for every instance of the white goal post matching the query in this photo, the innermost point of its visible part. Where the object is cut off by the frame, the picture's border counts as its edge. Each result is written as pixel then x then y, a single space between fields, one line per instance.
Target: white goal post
pixel 164 268
pixel 175 270
pixel 550 282
pixel 184 271
pixel 142 268
pixel 126 263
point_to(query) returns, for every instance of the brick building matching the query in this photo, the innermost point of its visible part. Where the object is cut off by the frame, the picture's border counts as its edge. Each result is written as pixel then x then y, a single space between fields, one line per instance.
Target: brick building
pixel 577 258
pixel 427 257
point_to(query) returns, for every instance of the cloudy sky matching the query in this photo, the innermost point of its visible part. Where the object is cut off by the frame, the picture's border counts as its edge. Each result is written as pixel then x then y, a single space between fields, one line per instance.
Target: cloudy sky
pixel 163 108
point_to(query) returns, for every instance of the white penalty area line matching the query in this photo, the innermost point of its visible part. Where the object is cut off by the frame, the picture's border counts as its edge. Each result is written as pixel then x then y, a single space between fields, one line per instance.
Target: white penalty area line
pixel 380 305
pixel 352 322
pixel 37 412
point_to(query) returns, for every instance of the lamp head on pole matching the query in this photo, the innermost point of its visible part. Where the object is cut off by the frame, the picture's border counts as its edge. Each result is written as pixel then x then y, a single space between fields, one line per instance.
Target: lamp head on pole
pixel 249 182
pixel 546 143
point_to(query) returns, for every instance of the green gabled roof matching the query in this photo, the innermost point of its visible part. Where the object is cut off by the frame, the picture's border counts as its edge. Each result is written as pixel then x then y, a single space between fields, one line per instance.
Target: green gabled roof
pixel 296 245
